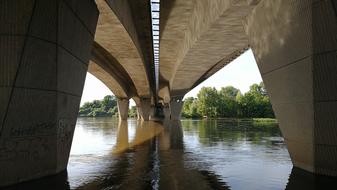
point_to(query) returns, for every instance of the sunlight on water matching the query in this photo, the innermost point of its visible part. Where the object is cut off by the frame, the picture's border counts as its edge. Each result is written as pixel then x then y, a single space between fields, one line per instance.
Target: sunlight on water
pixel 145 132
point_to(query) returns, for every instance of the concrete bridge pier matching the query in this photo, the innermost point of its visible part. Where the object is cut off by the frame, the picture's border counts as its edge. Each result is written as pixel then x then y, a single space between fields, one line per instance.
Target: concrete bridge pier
pixel 153 112
pixel 138 113
pixel 123 108
pixel 166 111
pixel 176 105
pixel 145 108
pixel 45 48
pixel 295 46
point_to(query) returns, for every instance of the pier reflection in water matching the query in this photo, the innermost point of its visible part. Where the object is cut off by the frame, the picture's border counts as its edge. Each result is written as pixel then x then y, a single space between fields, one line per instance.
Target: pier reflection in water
pixel 213 154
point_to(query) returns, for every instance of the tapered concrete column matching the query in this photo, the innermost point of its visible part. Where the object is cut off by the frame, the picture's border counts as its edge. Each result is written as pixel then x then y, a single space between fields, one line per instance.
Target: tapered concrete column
pixel 295 43
pixel 176 106
pixel 138 113
pixel 45 48
pixel 167 111
pixel 123 108
pixel 145 108
pixel 152 114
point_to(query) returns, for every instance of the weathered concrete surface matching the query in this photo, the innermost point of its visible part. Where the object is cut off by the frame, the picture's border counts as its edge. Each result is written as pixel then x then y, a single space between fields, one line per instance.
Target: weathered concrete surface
pixel 138 113
pixel 199 37
pixel 294 43
pixel 136 19
pixel 42 74
pixel 123 108
pixel 167 111
pixel 176 106
pixel 145 108
pixel 118 33
pixel 107 69
pixel 116 88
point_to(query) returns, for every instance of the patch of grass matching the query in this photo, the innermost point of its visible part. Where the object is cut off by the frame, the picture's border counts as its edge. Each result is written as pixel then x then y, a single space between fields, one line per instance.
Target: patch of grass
pixel 265 120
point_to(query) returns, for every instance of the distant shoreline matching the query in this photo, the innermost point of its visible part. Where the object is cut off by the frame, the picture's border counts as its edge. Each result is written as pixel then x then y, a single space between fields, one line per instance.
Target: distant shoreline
pixel 271 120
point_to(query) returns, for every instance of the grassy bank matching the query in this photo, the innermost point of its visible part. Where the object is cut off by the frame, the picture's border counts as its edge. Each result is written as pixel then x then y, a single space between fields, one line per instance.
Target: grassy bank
pixel 265 120
pixel 257 120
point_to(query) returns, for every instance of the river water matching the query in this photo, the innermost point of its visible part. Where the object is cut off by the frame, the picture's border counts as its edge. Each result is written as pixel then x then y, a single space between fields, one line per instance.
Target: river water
pixel 191 154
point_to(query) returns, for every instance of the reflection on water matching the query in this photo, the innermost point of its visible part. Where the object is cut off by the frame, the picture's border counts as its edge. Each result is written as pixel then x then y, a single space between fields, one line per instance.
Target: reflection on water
pixel 144 132
pixel 206 154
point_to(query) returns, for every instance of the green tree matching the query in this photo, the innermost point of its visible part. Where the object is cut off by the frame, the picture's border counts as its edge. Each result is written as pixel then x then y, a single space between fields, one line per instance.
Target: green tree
pixel 86 109
pixel 99 108
pixel 186 107
pixel 227 105
pixel 208 102
pixel 133 111
pixel 194 109
pixel 190 108
pixel 229 92
pixel 255 103
pixel 109 102
pixel 229 102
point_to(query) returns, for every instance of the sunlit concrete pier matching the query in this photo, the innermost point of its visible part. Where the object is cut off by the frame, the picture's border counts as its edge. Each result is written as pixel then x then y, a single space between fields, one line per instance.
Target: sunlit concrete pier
pixel 154 53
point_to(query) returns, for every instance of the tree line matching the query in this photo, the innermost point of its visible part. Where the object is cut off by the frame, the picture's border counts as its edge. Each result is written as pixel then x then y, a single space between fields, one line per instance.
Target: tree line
pixel 229 102
pixel 210 102
pixel 103 108
pixel 100 108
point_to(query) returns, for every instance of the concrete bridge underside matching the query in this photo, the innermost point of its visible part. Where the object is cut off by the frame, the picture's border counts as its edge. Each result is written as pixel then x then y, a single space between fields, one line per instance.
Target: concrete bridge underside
pixel 46 48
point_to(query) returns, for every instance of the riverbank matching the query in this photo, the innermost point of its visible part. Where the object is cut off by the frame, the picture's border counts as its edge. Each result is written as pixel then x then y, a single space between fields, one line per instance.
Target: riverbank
pixel 255 120
pixel 262 120
pixel 265 120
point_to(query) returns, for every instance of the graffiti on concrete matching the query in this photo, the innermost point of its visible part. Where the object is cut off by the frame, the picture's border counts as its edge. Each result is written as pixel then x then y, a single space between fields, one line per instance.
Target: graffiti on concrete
pixel 42 128
pixel 28 148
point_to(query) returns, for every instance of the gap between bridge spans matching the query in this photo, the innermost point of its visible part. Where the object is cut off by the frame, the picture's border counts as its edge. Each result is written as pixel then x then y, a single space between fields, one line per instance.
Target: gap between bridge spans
pixel 155 16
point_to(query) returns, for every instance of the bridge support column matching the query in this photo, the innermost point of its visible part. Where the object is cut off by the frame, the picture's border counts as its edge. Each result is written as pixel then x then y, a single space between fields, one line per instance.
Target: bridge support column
pixel 145 108
pixel 45 48
pixel 166 111
pixel 123 108
pixel 176 106
pixel 295 43
pixel 152 113
pixel 138 113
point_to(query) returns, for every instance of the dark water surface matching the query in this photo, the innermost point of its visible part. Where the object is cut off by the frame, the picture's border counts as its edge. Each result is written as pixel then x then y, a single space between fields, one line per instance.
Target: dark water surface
pixel 191 154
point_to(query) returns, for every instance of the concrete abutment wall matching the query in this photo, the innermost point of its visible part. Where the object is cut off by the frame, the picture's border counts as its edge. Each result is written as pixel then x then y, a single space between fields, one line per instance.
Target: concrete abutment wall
pixel 45 48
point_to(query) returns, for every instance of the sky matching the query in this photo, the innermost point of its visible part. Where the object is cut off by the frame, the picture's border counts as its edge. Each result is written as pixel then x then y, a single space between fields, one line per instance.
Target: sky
pixel 240 73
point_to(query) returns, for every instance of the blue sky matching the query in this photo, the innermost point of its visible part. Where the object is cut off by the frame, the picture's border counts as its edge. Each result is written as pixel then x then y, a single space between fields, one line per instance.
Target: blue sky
pixel 240 73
